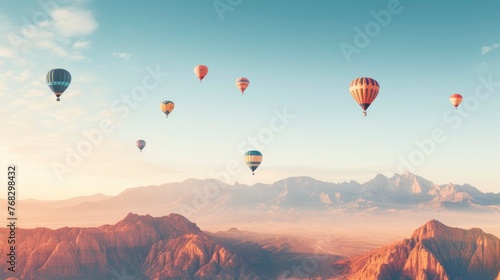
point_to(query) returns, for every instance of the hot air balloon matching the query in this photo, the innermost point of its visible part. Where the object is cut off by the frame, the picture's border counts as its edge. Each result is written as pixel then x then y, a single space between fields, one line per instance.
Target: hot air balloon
pixel 242 84
pixel 364 91
pixel 253 160
pixel 167 107
pixel 58 81
pixel 140 144
pixel 201 71
pixel 455 99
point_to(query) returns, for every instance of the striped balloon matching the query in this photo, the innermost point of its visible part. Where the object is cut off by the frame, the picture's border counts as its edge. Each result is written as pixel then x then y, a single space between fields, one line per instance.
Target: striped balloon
pixel 140 144
pixel 455 99
pixel 58 81
pixel 364 91
pixel 201 71
pixel 253 160
pixel 242 84
pixel 167 107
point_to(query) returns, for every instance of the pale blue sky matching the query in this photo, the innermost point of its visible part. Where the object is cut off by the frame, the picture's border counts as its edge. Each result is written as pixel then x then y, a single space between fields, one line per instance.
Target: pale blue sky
pixel 290 51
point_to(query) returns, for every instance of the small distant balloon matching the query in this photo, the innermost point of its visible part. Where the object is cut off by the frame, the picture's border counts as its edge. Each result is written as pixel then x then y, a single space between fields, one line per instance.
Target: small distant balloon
pixel 242 84
pixel 364 91
pixel 140 144
pixel 201 71
pixel 455 99
pixel 253 159
pixel 167 107
pixel 58 81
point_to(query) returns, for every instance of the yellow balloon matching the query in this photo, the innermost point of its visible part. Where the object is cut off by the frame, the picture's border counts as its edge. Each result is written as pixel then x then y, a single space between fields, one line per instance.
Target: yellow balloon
pixel 167 107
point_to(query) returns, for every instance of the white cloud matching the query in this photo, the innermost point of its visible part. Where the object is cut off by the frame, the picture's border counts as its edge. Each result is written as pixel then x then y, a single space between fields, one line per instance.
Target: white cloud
pixel 71 22
pixel 487 49
pixel 61 35
pixel 81 44
pixel 53 47
pixel 77 56
pixel 125 56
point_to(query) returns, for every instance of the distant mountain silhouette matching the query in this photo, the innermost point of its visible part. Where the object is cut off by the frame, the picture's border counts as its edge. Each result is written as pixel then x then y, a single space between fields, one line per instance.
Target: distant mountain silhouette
pixel 305 192
pixel 434 251
pixel 290 199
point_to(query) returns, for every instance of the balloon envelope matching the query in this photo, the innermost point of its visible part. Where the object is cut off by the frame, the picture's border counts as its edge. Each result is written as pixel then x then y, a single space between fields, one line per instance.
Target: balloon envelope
pixel 201 71
pixel 58 81
pixel 455 99
pixel 242 83
pixel 364 91
pixel 167 107
pixel 140 144
pixel 253 159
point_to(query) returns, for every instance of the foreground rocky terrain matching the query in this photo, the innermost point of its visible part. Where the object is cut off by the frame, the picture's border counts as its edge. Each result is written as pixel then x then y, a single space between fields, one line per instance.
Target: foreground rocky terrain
pixel 141 247
pixel 172 247
pixel 434 251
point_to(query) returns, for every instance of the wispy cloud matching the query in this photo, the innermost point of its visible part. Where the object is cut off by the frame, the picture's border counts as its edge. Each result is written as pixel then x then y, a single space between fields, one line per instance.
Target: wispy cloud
pixel 6 52
pixel 487 49
pixel 125 56
pixel 63 35
pixel 81 44
pixel 22 76
pixel 4 78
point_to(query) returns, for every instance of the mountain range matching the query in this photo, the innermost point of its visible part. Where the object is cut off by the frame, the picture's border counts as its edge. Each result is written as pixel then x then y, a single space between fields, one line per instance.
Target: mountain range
pixel 213 203
pixel 172 247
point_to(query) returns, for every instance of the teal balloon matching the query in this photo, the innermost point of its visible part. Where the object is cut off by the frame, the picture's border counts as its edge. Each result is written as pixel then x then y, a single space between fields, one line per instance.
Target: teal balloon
pixel 58 81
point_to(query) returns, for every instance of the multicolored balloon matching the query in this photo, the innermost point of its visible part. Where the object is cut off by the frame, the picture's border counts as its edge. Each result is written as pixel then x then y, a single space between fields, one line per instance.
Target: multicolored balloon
pixel 253 159
pixel 364 91
pixel 167 107
pixel 201 71
pixel 58 81
pixel 455 99
pixel 140 144
pixel 242 84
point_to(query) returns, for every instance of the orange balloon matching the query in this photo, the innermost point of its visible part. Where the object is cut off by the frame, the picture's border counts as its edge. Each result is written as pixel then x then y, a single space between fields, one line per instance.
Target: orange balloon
pixel 455 99
pixel 201 71
pixel 364 91
pixel 167 106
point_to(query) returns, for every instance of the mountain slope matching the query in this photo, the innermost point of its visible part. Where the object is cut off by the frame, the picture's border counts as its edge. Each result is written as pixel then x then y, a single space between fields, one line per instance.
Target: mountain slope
pixel 434 251
pixel 149 248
